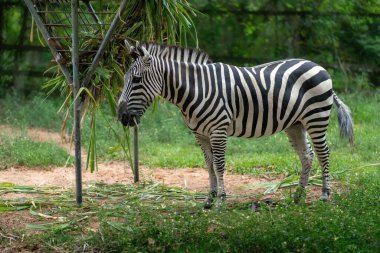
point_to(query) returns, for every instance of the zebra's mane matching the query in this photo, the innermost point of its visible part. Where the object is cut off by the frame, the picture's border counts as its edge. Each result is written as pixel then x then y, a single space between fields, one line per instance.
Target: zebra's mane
pixel 183 54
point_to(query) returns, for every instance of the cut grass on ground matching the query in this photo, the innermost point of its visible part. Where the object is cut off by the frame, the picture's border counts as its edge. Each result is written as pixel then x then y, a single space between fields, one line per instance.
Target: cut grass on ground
pixel 154 218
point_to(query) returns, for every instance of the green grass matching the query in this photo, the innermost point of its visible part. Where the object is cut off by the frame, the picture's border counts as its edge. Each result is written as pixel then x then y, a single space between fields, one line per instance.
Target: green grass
pixel 37 111
pixel 154 218
pixel 21 150
pixel 166 142
pixel 163 136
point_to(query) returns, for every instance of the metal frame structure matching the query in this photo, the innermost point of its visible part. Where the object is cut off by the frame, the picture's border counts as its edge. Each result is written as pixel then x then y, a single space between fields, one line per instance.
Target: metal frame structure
pixel 53 19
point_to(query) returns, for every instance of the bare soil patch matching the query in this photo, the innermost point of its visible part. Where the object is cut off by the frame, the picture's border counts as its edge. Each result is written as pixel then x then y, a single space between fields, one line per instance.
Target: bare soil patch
pixel 194 179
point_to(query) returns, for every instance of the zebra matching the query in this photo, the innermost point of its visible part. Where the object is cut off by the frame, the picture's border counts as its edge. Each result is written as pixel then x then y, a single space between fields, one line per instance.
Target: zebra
pixel 218 100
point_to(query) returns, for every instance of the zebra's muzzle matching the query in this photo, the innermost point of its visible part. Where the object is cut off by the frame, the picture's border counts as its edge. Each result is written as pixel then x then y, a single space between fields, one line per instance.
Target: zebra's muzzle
pixel 129 118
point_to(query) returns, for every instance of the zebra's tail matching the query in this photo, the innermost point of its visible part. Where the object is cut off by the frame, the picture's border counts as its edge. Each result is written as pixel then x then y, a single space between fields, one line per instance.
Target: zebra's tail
pixel 344 119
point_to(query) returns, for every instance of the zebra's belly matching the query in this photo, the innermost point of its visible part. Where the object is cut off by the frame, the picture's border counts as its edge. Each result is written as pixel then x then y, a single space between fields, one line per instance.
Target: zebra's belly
pixel 251 130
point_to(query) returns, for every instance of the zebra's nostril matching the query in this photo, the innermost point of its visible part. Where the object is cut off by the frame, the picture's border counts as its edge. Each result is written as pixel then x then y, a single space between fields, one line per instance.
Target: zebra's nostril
pixel 122 107
pixel 121 115
pixel 128 118
pixel 124 118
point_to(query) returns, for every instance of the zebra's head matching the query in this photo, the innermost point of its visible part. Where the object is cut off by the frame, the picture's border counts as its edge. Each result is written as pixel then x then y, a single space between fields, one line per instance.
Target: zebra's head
pixel 141 87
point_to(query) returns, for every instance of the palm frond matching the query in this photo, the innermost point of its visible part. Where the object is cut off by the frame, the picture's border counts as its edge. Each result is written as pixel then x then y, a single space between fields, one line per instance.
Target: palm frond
pixel 164 21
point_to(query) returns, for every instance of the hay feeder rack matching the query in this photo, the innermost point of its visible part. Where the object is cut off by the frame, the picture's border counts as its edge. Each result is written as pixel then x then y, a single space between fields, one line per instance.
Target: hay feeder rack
pixel 59 22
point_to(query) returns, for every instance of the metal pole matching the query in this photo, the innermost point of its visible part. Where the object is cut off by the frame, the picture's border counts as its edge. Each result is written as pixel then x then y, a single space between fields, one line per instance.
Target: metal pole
pixel 99 53
pixel 40 24
pixel 93 12
pixel 77 102
pixel 136 154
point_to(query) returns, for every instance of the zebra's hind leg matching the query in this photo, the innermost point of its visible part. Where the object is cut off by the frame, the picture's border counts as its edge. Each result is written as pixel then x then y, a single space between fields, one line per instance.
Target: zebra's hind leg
pixel 204 143
pixel 218 140
pixel 297 137
pixel 318 138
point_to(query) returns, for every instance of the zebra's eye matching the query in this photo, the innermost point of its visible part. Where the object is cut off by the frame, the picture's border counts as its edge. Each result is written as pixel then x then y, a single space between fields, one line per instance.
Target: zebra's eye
pixel 136 79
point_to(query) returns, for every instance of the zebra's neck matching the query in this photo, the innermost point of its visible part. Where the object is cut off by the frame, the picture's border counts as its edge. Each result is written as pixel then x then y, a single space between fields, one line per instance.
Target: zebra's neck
pixel 177 83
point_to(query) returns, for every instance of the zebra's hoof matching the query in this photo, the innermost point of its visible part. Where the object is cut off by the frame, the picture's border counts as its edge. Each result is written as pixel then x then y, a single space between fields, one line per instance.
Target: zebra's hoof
pixel 220 203
pixel 299 195
pixel 209 203
pixel 325 195
pixel 210 200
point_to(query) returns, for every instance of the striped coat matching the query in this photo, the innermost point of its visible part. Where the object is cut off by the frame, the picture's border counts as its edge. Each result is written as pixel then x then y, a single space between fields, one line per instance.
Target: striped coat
pixel 219 100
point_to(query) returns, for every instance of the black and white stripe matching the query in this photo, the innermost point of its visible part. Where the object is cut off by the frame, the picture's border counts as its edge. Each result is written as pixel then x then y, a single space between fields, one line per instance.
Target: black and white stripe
pixel 219 100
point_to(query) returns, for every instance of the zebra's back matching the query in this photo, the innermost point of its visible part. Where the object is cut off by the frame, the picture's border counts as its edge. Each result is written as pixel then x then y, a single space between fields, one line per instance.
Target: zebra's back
pixel 271 97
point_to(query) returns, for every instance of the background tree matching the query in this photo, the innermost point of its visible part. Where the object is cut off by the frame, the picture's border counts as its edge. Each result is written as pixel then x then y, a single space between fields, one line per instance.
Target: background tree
pixel 341 35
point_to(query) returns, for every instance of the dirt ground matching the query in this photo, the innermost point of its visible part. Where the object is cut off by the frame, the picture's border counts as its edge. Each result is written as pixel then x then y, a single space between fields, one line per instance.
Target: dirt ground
pixel 194 179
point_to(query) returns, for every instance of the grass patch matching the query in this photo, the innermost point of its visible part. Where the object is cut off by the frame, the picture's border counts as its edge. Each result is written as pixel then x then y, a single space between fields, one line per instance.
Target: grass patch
pixel 23 151
pixel 165 140
pixel 154 218
pixel 37 111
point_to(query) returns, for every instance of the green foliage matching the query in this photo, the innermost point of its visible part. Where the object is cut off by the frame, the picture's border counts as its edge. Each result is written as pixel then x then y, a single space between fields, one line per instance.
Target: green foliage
pixel 22 151
pixel 341 35
pixel 18 55
pixel 163 21
pixel 38 111
pixel 167 21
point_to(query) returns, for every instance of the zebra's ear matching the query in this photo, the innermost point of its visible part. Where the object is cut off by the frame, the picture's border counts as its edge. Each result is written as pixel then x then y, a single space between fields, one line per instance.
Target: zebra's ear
pixel 132 50
pixel 129 46
pixel 135 53
pixel 147 58
pixel 142 51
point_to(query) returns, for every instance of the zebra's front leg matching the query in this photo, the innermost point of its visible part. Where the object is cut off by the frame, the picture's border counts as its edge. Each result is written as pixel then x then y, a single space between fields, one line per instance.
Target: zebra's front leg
pixel 204 143
pixel 218 141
